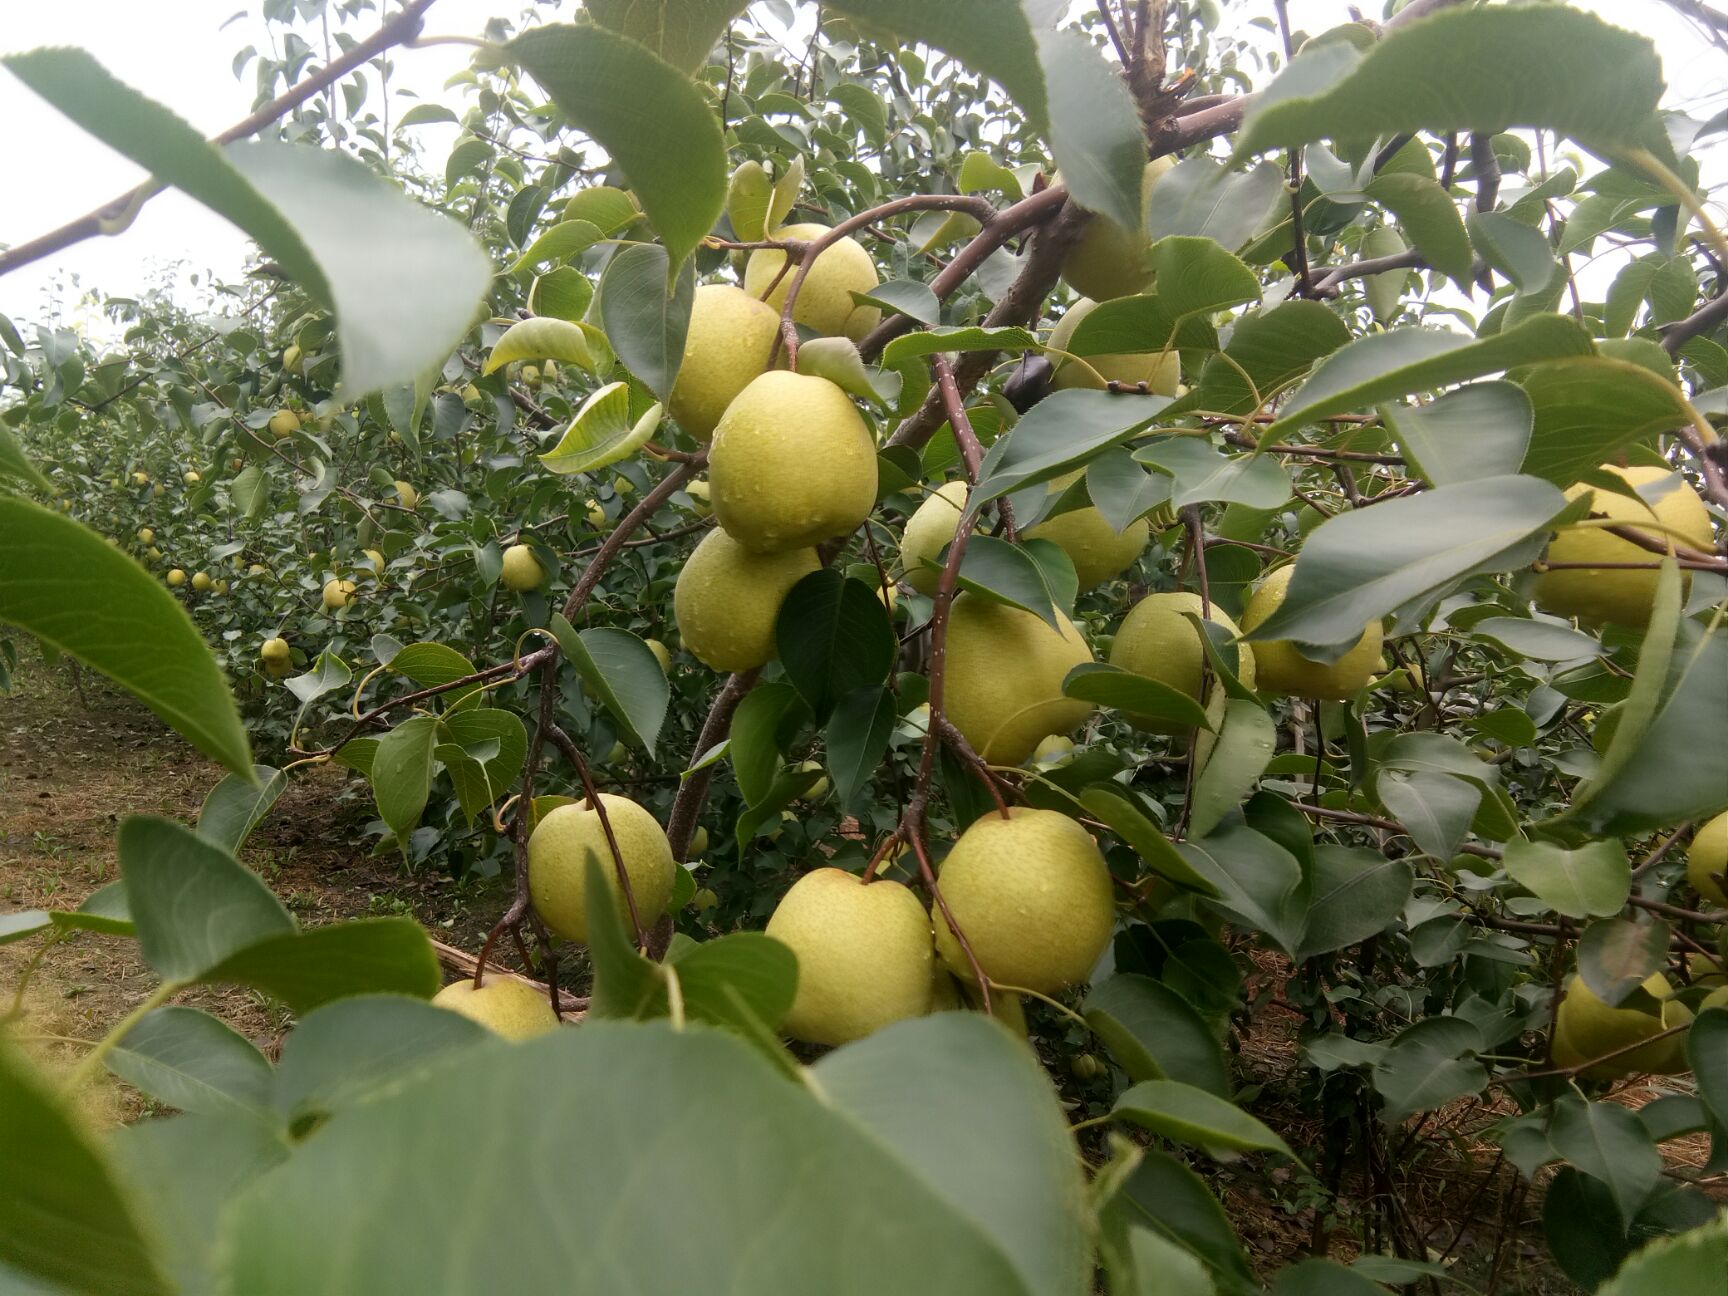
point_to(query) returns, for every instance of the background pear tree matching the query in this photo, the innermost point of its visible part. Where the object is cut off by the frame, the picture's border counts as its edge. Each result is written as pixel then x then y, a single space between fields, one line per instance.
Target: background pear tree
pixel 1052 617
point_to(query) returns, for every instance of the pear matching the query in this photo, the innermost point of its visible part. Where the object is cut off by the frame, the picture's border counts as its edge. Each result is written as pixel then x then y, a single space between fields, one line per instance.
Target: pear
pixel 1054 752
pixel 293 359
pixel 1108 261
pixel 1097 550
pixel 698 843
pixel 928 532
pixel 727 600
pixel 1707 860
pixel 522 570
pixel 337 594
pixel 176 578
pixel 1161 371
pixel 201 581
pixel 698 492
pixel 276 656
pixel 1157 640
pixel 1003 680
pixel 1587 1028
pixel 146 536
pixel 504 1005
pixel 864 955
pixel 190 477
pixel 1707 969
pixel 792 464
pixel 1620 595
pixel 825 297
pixel 662 654
pixel 730 341
pixel 1281 668
pixel 1032 895
pixel 283 424
pixel 566 837
pixel 409 497
pixel 376 558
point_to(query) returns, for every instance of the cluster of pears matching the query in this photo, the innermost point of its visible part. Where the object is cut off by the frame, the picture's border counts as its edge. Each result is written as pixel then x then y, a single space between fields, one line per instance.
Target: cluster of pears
pixel 1586 1028
pixel 1666 507
pixel 1030 891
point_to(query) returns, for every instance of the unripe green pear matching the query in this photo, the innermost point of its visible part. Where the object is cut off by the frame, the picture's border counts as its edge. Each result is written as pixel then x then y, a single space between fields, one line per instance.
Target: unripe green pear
pixel 504 1005
pixel 1623 596
pixel 1281 668
pixel 292 359
pixel 730 341
pixel 944 990
pixel 1707 860
pixel 864 955
pixel 825 297
pixel 522 570
pixel 1707 969
pixel 564 840
pixel 698 844
pixel 1161 371
pixel 727 599
pixel 704 900
pixel 1157 640
pixel 1032 895
pixel 1003 682
pixel 928 532
pixel 1587 1028
pixel 191 477
pixel 1097 550
pixel 662 654
pixel 792 464
pixel 1108 261
pixel 1055 751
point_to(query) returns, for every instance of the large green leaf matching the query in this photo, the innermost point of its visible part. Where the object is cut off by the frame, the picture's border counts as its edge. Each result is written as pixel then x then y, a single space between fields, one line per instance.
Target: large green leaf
pixel 354 242
pixel 191 1060
pixel 401 773
pixel 63 1217
pixel 1001 572
pixel 658 127
pixel 69 588
pixel 1426 213
pixel 1589 882
pixel 1163 1195
pixel 14 464
pixel 1257 880
pixel 1246 740
pixel 1467 69
pixel 1589 409
pixel 833 637
pixel 1707 1054
pixel 1186 1114
pixel 645 303
pixel 235 806
pixel 1398 556
pixel 624 674
pixel 602 433
pixel 1094 131
pixel 930 1197
pixel 1429 1064
pixel 1154 1033
pixel 1352 895
pixel 1670 1265
pixel 1617 955
pixel 741 980
pixel 682 32
pixel 308 968
pixel 857 735
pixel 1060 432
pixel 1478 431
pixel 1606 1142
pixel 1199 197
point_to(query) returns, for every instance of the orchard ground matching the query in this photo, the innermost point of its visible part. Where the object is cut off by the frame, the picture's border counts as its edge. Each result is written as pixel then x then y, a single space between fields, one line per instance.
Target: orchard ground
pixel 77 756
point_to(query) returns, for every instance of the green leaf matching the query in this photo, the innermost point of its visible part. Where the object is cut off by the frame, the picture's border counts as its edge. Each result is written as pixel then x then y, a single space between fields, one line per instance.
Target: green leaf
pixel 1137 695
pixel 1270 349
pixel 1094 129
pixel 1466 70
pixel 653 121
pixel 250 492
pixel 542 339
pixel 1436 807
pixel 1352 894
pixel 833 637
pixel 353 241
pixel 1195 279
pixel 1476 432
pixel 1256 879
pixel 1606 1142
pixel 952 341
pixel 1154 1033
pixel 1618 955
pixel 1059 433
pixel 856 738
pixel 759 732
pixel 193 904
pixel 1404 361
pixel 1164 1195
pixel 837 359
pixel 1200 475
pixel 190 1060
pixel 1707 1055
pixel 74 591
pixel 66 1221
pixel 908 297
pixel 1428 1065
pixel 748 196
pixel 237 805
pixel 14 464
pixel 1397 557
pixel 602 433
pixel 624 674
pixel 1589 409
pixel 1539 640
pixel 1185 1114
pixel 1246 740
pixel 432 665
pixel 1007 573
pixel 1320 1277
pixel 626 984
pixel 401 773
pixel 744 969
pixel 1516 250
pixel 1592 881
pixel 1116 807
pixel 645 310
pixel 564 294
pixel 681 33
pixel 1200 198
pixel 1426 213
pixel 1581 1223
pixel 309 968
pixel 1668 1265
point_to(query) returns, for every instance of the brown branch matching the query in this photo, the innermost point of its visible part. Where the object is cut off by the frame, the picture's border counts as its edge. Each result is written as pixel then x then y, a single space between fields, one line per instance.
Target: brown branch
pixel 403 27
pixel 1700 321
pixel 681 823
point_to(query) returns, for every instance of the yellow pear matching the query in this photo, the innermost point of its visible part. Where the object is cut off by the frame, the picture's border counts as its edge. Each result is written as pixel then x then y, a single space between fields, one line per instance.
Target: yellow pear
pixel 594 513
pixel 376 558
pixel 1621 595
pixel 1280 668
pixel 190 478
pixel 1161 371
pixel 522 570
pixel 662 654
pixel 1707 969
pixel 1032 895
pixel 504 1005
pixel 153 554
pixel 1587 1028
pixel 727 599
pixel 928 532
pixel 729 343
pixel 293 358
pixel 337 594
pixel 1108 261
pixel 697 490
pixel 140 478
pixel 201 581
pixel 1003 681
pixel 276 655
pixel 1707 860
pixel 1097 550
pixel 284 423
pixel 1055 751
pixel 1158 641
pixel 825 297
pixel 566 837
pixel 146 536
pixel 176 578
pixel 792 464
pixel 864 955
pixel 409 497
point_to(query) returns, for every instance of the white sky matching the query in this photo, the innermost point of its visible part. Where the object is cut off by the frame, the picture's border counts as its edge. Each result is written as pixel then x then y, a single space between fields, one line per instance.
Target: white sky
pixel 55 172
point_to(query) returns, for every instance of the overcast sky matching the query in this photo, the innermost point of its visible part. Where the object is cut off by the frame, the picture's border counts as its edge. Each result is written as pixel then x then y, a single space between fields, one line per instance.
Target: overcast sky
pixel 56 172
